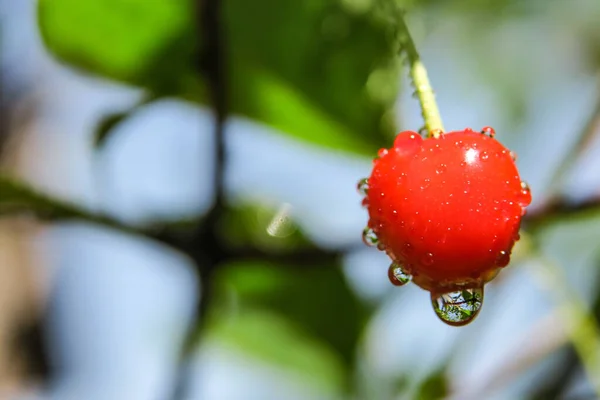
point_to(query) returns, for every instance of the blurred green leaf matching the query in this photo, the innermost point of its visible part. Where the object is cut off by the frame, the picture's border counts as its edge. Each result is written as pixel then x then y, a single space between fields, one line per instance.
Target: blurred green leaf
pixel 315 300
pixel 435 387
pixel 301 67
pixel 274 339
pixel 146 43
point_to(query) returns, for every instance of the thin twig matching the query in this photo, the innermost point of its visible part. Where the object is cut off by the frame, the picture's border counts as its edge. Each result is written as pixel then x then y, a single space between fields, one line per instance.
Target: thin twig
pixel 585 137
pixel 559 208
pixel 19 197
pixel 580 324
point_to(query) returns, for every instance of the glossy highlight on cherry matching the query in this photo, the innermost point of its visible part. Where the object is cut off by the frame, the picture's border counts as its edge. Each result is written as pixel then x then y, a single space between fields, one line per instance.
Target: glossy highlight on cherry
pixel 447 209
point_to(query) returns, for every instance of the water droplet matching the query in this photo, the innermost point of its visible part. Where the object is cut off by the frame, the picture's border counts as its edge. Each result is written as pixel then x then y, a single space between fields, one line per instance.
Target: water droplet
pixel 423 131
pixel 489 131
pixel 441 169
pixel 407 249
pixel 503 259
pixel 427 259
pixel 369 237
pixel 382 152
pixel 365 202
pixel 458 308
pixel 407 143
pixel 513 155
pixel 484 155
pixel 525 194
pixel 363 186
pixel 397 275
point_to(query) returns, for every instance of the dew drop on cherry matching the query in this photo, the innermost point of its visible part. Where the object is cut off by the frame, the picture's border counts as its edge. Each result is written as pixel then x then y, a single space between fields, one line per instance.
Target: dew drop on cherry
pixel 458 308
pixel 525 199
pixel 382 153
pixel 363 186
pixel 397 276
pixel 407 143
pixel 407 249
pixel 427 259
pixel 503 259
pixel 369 237
pixel 489 131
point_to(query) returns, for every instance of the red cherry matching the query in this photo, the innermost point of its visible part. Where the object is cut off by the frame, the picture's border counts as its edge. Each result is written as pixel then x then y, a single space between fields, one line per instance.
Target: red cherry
pixel 447 209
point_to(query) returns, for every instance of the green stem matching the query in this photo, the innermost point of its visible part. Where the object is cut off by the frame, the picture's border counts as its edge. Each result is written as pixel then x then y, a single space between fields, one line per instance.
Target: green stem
pixel 418 73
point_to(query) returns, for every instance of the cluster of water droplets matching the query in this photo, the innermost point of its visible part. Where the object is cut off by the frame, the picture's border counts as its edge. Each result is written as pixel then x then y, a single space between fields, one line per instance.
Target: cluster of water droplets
pixel 455 308
pixel 459 307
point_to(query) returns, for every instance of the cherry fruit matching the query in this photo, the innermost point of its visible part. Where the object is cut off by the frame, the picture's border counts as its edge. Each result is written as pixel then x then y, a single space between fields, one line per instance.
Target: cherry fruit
pixel 447 210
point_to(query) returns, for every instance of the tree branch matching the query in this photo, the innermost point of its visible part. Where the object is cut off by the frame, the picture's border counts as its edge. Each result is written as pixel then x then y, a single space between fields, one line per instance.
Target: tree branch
pixel 585 137
pixel 206 247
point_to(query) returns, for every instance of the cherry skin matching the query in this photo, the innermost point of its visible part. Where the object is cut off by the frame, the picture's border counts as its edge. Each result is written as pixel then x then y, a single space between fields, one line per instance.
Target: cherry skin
pixel 448 209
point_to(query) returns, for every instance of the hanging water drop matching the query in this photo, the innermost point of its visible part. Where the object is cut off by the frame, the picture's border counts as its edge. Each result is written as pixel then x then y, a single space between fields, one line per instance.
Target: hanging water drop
pixel 369 237
pixel 397 275
pixel 458 308
pixel 363 186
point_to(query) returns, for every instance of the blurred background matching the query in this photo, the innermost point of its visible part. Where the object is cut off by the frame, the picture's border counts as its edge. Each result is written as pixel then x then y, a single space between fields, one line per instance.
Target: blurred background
pixel 175 255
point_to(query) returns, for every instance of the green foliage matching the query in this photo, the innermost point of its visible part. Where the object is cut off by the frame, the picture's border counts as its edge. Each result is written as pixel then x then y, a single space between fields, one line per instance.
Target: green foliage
pixel 314 301
pixel 273 339
pixel 306 75
pixel 18 197
pixel 435 387
pixel 146 43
